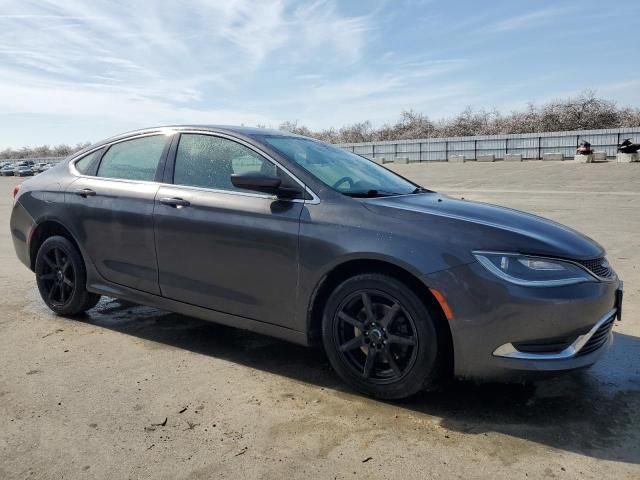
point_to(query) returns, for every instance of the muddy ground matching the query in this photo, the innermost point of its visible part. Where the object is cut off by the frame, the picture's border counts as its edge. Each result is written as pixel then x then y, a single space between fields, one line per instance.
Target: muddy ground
pixel 134 392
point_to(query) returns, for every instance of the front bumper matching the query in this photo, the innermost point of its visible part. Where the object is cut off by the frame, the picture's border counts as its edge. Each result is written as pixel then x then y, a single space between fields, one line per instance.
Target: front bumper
pixel 502 331
pixel 584 343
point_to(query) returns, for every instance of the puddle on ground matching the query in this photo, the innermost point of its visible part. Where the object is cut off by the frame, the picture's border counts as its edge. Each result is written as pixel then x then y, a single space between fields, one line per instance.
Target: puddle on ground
pixel 594 411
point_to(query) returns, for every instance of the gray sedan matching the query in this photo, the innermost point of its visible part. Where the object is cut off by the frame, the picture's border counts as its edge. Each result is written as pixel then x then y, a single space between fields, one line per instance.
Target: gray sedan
pixel 301 240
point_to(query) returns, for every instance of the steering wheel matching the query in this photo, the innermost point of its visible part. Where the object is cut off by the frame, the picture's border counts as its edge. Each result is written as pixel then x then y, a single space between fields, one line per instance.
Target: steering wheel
pixel 342 180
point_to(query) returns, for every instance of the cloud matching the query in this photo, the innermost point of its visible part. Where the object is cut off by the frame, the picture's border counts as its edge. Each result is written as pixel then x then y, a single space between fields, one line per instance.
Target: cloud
pixel 531 19
pixel 90 69
pixel 322 24
pixel 161 57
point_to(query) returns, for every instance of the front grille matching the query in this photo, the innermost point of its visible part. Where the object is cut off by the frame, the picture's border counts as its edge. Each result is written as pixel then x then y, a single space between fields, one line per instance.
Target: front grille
pixel 599 338
pixel 599 267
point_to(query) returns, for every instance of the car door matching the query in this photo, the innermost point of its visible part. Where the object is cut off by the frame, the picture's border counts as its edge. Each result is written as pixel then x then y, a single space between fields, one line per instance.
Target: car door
pixel 221 247
pixel 111 209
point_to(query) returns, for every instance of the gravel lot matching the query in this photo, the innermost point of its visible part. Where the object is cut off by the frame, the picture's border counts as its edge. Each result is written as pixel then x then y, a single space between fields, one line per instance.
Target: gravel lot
pixel 134 392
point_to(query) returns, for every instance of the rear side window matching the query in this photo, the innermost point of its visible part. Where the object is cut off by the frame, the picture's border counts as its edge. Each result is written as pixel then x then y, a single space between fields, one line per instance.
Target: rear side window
pixel 135 159
pixel 208 161
pixel 87 163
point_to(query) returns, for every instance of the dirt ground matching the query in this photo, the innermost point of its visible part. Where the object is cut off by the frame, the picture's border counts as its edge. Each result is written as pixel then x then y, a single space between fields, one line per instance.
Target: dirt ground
pixel 134 392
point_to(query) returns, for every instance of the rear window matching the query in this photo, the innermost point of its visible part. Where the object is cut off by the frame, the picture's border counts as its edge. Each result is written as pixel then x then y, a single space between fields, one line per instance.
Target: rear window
pixel 86 164
pixel 135 159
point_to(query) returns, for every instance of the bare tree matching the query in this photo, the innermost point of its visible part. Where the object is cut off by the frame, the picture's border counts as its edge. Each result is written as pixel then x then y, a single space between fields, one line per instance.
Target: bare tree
pixel 630 117
pixel 42 151
pixel 293 127
pixel 411 125
pixel 583 112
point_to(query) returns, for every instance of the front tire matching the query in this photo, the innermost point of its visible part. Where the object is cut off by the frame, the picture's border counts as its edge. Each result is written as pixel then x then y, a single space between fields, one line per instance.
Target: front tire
pixel 381 338
pixel 61 278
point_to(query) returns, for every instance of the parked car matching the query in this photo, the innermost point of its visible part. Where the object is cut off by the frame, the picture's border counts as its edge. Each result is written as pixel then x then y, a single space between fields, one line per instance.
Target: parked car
pixel 39 167
pixel 23 171
pixel 7 170
pixel 292 237
pixel 23 163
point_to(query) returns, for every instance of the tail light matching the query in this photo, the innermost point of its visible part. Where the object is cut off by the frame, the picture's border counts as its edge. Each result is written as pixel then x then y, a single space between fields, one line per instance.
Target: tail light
pixel 16 189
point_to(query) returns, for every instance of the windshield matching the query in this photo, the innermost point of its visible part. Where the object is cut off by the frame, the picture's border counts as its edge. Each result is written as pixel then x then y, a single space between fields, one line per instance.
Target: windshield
pixel 343 171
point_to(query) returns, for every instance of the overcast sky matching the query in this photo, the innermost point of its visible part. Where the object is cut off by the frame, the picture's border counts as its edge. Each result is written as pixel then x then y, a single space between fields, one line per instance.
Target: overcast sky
pixel 79 70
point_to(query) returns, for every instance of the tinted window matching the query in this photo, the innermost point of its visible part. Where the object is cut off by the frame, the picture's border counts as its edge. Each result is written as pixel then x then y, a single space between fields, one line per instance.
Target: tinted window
pixel 86 163
pixel 207 161
pixel 134 159
pixel 343 171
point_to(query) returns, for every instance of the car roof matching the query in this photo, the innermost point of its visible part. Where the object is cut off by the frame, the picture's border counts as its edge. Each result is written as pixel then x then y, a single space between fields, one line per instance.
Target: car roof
pixel 242 130
pixel 231 129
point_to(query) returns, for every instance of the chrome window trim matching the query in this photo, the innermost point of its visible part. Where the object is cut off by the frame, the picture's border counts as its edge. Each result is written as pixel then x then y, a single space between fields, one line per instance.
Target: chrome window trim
pixel 315 200
pixel 72 162
pixel 508 350
pixel 229 192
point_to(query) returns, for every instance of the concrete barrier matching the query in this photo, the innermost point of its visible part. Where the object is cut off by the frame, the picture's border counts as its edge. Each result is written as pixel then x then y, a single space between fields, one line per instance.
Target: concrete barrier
pixel 382 160
pixel 628 157
pixel 403 160
pixel 584 158
pixel 456 158
pixel 553 157
pixel 513 157
pixel 599 156
pixel 486 158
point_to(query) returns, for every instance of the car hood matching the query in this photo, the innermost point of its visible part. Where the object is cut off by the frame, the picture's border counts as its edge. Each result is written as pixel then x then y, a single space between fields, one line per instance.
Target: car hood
pixel 489 227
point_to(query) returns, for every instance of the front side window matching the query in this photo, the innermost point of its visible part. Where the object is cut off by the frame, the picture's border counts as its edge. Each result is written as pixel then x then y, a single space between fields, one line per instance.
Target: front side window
pixel 343 171
pixel 207 161
pixel 135 159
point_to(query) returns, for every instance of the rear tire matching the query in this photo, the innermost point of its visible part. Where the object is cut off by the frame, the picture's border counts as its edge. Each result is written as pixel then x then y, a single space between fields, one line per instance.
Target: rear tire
pixel 62 278
pixel 381 338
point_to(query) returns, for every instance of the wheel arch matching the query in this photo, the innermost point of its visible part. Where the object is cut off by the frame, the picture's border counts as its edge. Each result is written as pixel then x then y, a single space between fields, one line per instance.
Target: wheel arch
pixel 45 229
pixel 349 268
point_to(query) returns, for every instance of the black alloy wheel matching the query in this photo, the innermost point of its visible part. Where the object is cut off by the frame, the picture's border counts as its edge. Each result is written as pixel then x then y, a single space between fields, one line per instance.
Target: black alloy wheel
pixel 57 276
pixel 376 336
pixel 380 337
pixel 61 277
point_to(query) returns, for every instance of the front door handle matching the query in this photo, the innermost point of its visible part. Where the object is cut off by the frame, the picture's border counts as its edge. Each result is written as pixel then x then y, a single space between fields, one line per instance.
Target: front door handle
pixel 85 192
pixel 175 202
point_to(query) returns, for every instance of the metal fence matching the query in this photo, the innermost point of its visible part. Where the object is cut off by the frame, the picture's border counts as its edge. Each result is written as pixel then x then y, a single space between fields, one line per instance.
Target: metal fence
pixel 529 145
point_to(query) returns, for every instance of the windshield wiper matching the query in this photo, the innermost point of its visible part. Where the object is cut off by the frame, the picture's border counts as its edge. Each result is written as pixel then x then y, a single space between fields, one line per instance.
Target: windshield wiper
pixel 421 190
pixel 370 194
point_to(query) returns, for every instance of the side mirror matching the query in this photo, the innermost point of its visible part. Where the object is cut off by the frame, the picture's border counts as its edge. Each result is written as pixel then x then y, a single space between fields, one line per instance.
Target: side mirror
pixel 256 181
pixel 260 182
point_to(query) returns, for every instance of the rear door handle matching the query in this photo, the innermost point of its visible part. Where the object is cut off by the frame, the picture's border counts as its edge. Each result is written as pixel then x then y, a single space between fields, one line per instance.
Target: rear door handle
pixel 85 192
pixel 175 202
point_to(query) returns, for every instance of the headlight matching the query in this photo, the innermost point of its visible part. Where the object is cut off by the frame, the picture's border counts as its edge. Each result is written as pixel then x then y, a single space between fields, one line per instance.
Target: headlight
pixel 532 271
